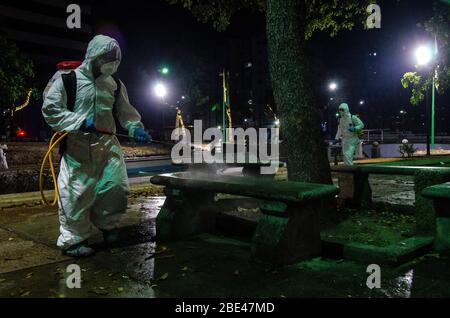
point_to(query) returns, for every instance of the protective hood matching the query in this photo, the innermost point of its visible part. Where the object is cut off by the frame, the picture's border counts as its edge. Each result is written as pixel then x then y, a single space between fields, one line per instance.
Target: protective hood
pixel 99 45
pixel 346 109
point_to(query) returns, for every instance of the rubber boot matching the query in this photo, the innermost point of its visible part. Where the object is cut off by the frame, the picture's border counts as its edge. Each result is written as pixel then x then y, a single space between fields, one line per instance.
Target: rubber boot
pixel 79 250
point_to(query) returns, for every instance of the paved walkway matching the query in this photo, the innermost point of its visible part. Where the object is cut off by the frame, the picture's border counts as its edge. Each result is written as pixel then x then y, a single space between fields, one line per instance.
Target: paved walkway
pixel 204 266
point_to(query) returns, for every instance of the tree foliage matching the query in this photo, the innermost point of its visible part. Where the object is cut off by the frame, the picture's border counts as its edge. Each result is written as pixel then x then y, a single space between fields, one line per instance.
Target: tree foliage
pixel 418 86
pixel 321 15
pixel 16 75
pixel 420 81
pixel 219 12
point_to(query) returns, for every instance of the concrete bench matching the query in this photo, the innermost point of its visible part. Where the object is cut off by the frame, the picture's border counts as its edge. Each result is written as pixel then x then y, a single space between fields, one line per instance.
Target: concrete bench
pixel 354 185
pixel 288 230
pixel 440 194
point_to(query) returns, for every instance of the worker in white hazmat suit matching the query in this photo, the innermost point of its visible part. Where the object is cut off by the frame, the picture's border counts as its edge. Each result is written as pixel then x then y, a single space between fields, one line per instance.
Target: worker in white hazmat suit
pixel 92 182
pixel 348 131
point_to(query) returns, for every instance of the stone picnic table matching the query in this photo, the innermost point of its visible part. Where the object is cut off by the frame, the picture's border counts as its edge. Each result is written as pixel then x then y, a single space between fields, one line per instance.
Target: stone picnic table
pixel 288 230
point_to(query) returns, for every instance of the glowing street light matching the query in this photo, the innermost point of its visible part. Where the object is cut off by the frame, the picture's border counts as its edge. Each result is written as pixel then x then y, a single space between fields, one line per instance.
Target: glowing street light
pixel 333 86
pixel 160 90
pixel 164 70
pixel 423 55
pixel 361 102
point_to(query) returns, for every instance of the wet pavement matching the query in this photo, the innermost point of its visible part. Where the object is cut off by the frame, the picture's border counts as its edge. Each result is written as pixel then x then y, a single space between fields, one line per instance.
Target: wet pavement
pixel 208 265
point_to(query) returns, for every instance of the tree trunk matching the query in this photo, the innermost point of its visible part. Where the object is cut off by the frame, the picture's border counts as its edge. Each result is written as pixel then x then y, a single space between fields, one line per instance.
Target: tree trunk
pixel 307 158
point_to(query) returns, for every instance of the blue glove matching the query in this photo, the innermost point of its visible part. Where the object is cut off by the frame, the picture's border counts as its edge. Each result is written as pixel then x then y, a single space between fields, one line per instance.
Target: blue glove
pixel 352 130
pixel 88 126
pixel 140 135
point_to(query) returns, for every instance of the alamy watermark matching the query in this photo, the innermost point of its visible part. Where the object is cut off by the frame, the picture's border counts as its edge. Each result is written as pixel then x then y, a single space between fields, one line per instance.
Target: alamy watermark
pixel 245 146
pixel 374 279
pixel 74 279
pixel 374 19
pixel 74 19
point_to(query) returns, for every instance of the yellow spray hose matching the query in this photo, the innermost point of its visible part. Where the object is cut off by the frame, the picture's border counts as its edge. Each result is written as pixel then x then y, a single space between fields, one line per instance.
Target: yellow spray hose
pixel 56 138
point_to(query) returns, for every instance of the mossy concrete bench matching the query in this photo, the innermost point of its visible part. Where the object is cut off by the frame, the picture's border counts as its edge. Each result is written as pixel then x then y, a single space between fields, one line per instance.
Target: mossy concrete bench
pixel 440 194
pixel 355 186
pixel 288 230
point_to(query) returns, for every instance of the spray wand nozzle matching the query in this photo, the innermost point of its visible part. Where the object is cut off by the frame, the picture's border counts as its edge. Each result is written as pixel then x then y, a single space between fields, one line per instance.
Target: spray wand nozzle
pixel 130 137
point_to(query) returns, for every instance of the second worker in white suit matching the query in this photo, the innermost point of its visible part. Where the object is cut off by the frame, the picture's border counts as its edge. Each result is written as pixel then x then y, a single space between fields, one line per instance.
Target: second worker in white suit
pixel 348 131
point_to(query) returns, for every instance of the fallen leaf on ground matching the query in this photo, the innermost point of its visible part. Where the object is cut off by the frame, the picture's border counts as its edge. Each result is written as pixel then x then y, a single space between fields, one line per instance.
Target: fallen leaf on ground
pixel 164 276
pixel 120 289
pixel 162 249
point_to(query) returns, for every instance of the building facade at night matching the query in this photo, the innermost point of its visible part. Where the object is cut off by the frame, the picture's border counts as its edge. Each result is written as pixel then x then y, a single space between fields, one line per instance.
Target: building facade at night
pixel 250 84
pixel 39 29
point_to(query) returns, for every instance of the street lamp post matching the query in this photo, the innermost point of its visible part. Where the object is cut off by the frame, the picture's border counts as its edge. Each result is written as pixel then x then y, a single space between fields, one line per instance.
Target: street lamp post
pixel 332 87
pixel 433 109
pixel 403 113
pixel 425 55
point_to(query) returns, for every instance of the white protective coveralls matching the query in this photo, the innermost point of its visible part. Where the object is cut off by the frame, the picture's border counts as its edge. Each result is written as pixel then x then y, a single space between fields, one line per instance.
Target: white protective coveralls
pixel 93 181
pixel 350 140
pixel 3 162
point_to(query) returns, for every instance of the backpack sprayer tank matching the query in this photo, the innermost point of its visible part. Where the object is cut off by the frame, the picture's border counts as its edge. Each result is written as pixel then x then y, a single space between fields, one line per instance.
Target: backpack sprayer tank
pixel 64 67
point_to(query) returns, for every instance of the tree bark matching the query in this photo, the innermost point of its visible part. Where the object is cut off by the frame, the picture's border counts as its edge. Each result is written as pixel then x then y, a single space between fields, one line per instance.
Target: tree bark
pixel 300 121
